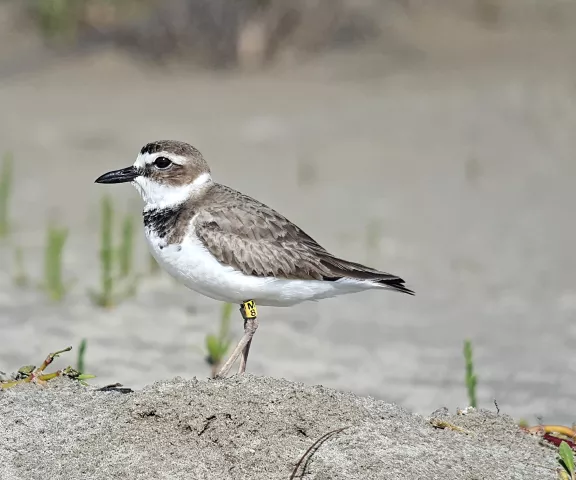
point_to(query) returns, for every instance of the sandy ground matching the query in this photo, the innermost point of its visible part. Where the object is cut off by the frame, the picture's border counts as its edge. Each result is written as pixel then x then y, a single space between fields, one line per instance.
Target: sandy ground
pixel 251 428
pixel 449 164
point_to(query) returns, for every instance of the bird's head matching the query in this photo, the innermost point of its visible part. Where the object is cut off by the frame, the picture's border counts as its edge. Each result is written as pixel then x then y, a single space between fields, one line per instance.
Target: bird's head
pixel 166 173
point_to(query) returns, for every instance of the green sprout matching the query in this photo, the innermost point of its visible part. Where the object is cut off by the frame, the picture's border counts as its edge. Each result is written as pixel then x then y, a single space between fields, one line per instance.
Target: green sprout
pixel 126 249
pixel 523 423
pixel 106 252
pixel 116 263
pixel 471 379
pixel 82 355
pixel 566 460
pixel 63 20
pixel 57 18
pixel 6 178
pixel 217 345
pixel 53 278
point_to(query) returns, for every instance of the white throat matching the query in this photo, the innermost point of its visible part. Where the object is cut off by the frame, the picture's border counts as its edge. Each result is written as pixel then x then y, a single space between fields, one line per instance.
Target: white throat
pixel 156 195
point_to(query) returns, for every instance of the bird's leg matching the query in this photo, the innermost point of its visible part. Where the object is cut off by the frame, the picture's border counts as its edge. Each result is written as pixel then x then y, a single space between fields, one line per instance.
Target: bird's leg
pixel 245 352
pixel 249 313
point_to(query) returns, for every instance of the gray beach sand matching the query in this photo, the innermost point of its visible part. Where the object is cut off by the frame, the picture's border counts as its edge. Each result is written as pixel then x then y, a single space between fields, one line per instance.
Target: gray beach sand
pixel 250 428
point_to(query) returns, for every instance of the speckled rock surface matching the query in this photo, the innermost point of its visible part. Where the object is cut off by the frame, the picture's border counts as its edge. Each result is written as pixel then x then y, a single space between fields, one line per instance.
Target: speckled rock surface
pixel 248 428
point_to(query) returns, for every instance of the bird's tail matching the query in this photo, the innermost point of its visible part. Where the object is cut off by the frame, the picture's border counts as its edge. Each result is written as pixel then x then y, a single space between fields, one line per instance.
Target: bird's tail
pixel 340 269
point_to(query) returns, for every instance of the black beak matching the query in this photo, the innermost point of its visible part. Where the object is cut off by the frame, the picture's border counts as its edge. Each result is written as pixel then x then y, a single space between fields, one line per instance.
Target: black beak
pixel 119 176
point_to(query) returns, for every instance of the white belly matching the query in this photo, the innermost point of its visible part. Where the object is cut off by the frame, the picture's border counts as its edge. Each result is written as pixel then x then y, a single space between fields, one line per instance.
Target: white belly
pixel 195 267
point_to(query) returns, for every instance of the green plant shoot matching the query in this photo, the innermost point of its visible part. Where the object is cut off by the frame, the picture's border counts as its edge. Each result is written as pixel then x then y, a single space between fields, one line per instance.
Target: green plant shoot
pixel 218 345
pixel 471 379
pixel 107 251
pixel 57 18
pixel 126 250
pixel 104 298
pixel 53 277
pixel 566 459
pixel 82 355
pixel 116 263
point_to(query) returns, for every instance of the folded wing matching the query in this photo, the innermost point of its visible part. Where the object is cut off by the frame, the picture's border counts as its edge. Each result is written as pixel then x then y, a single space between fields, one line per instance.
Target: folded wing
pixel 258 241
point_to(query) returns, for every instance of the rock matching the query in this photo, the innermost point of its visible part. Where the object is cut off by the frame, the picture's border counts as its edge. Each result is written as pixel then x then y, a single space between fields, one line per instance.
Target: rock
pixel 248 428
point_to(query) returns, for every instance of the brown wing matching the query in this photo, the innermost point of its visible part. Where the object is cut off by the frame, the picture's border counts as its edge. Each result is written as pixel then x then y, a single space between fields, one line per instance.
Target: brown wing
pixel 257 240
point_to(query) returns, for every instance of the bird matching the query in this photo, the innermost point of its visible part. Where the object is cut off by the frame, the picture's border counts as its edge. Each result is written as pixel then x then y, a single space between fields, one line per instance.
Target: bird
pixel 230 247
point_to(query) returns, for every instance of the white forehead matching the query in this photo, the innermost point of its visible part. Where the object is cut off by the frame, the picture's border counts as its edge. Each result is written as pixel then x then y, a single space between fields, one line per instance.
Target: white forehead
pixel 144 159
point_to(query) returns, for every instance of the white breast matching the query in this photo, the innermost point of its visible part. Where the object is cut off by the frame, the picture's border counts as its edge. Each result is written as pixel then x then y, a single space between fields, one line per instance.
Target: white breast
pixel 194 266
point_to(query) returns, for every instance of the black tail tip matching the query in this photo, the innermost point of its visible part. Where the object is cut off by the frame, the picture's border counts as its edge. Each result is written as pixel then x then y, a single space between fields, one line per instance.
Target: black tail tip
pixel 397 284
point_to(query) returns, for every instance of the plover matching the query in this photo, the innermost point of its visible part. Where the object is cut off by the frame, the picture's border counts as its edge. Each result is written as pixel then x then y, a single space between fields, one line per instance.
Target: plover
pixel 231 247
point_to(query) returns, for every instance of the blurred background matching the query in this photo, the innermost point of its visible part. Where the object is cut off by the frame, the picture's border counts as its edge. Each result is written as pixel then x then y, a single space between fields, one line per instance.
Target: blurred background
pixel 434 139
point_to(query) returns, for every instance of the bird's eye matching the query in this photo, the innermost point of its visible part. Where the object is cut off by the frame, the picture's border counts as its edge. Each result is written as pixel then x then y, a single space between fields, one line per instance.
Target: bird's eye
pixel 162 163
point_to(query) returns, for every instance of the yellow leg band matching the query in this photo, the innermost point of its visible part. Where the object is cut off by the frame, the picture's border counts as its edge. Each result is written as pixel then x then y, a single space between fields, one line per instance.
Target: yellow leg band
pixel 248 310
